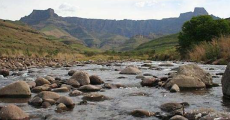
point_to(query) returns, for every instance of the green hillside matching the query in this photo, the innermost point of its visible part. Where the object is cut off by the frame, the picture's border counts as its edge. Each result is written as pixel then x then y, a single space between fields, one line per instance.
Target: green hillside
pixel 160 45
pixel 17 38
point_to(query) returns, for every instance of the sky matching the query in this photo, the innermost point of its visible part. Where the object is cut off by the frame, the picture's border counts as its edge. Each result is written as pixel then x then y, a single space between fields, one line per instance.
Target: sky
pixel 113 9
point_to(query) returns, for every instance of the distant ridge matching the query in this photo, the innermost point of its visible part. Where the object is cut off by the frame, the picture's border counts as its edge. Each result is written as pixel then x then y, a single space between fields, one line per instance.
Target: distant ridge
pixel 99 32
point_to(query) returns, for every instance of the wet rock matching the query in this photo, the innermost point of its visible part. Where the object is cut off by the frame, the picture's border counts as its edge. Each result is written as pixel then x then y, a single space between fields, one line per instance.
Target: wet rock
pixel 46 104
pixel 73 83
pixel 62 89
pixel 12 112
pixel 89 88
pixel 31 84
pixel 178 117
pixel 81 77
pixel 95 97
pixel 5 72
pixel 51 101
pixel 191 76
pixel 142 113
pixel 61 107
pixel 147 74
pixel 175 88
pixel 121 77
pixel 186 82
pixel 71 72
pixel 166 64
pixel 54 85
pixel 215 85
pixel 41 81
pixel 130 70
pixel 36 101
pixel 140 77
pixel 17 89
pixel 95 80
pixel 220 74
pixel 39 89
pixel 49 95
pixel 146 65
pixel 50 79
pixel 67 86
pixel 67 101
pixel 150 82
pixel 75 93
pixel 164 78
pixel 198 113
pixel 113 86
pixel 225 81
pixel 84 102
pixel 170 107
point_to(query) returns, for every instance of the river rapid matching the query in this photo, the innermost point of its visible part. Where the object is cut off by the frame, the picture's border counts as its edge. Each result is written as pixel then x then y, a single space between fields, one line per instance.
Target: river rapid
pixel 123 100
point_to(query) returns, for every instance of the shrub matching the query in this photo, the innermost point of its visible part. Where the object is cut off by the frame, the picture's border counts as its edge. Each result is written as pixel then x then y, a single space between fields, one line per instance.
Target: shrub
pixel 199 29
pixel 211 51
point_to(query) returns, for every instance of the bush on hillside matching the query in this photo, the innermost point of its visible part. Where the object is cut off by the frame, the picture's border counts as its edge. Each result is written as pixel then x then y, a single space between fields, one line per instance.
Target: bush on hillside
pixel 199 29
pixel 218 49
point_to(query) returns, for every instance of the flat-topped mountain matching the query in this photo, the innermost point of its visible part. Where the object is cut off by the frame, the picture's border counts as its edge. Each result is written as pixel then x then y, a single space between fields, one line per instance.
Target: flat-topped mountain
pixel 100 32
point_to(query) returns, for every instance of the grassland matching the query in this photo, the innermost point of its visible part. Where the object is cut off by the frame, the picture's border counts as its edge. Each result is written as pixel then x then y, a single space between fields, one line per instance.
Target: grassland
pixel 160 45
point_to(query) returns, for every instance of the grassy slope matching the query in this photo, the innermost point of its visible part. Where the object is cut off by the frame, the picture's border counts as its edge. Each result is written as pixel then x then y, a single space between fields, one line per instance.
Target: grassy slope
pixel 160 45
pixel 19 39
pixel 133 43
pixel 54 32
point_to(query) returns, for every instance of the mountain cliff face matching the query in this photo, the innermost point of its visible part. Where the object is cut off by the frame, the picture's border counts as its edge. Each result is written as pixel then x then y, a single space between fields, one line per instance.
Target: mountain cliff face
pixel 93 32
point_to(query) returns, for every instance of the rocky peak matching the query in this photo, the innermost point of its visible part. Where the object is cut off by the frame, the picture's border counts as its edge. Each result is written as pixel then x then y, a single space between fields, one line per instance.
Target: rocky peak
pixel 200 11
pixel 39 15
pixel 197 11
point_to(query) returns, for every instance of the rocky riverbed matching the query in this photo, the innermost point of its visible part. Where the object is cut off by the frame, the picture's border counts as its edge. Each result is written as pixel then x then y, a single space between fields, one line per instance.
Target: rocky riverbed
pixel 115 94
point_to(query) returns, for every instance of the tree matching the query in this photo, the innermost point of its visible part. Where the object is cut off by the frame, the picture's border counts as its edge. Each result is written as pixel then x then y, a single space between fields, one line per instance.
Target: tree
pixel 201 28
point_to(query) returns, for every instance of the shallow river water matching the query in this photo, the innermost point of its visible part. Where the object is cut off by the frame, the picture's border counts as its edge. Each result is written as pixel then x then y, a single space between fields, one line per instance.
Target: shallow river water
pixel 123 101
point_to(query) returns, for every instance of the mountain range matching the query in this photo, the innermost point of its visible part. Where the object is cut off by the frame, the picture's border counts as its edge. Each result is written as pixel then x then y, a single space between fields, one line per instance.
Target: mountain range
pixel 106 34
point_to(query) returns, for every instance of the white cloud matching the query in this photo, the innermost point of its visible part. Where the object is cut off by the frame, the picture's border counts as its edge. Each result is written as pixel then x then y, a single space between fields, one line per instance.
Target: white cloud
pixel 64 7
pixel 148 3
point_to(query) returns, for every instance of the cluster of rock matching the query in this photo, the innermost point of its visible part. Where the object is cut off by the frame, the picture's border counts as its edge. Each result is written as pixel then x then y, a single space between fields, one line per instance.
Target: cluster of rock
pixel 187 77
pixel 81 83
pixel 47 90
pixel 176 111
pixel 22 63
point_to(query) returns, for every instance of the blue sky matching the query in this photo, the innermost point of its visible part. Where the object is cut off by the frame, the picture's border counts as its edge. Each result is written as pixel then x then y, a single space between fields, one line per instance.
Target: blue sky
pixel 113 9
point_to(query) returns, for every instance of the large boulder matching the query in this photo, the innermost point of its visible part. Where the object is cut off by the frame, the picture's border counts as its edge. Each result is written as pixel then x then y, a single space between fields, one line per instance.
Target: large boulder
pixel 225 81
pixel 150 82
pixel 4 72
pixel 186 82
pixel 73 83
pixel 95 97
pixel 16 89
pixel 130 70
pixel 49 95
pixel 71 72
pixel 75 93
pixel 191 76
pixel 178 117
pixel 81 77
pixel 41 81
pixel 66 100
pixel 39 89
pixel 170 107
pixel 95 80
pixel 142 113
pixel 61 89
pixel 89 88
pixel 12 112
